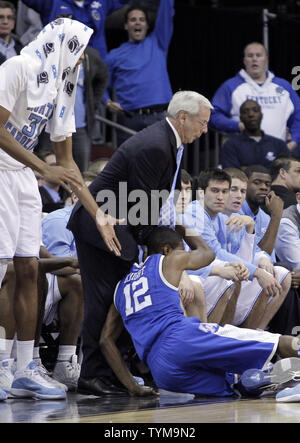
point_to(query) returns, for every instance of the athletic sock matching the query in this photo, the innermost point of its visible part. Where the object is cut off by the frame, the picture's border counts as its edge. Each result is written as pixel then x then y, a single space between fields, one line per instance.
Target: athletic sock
pixel 65 352
pixel 24 353
pixel 5 348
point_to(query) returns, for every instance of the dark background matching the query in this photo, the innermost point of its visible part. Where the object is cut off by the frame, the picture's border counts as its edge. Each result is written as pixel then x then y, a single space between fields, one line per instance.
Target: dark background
pixel 209 37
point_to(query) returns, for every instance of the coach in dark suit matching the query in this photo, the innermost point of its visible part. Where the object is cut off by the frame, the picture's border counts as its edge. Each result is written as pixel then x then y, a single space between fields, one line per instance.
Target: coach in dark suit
pixel 146 162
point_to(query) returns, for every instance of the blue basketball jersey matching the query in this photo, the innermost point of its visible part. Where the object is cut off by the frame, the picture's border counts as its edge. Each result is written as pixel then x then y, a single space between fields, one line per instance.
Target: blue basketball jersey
pixel 147 303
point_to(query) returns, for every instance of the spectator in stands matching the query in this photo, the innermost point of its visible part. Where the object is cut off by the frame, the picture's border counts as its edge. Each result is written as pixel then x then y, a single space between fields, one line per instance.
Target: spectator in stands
pixel 252 146
pixel 285 175
pixel 138 70
pixel 28 23
pixel 91 13
pixel 279 102
pixel 9 42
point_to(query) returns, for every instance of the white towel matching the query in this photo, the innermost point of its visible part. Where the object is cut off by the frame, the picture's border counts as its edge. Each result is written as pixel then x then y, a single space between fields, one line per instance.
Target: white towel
pixel 52 73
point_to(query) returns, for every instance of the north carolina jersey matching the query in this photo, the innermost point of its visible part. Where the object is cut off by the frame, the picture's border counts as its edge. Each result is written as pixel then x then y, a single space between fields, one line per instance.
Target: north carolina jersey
pixel 24 124
pixel 144 294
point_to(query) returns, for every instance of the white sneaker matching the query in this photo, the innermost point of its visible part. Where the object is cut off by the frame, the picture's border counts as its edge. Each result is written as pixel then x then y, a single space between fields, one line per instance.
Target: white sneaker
pixel 289 395
pixel 6 374
pixel 67 372
pixel 45 374
pixel 3 395
pixel 29 383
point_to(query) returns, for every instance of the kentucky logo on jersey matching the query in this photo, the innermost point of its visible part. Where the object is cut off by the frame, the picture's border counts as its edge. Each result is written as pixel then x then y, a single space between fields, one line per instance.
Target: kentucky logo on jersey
pixel 42 78
pixel 48 47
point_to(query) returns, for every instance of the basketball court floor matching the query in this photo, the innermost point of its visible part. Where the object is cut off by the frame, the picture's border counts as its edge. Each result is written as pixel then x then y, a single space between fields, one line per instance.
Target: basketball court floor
pixel 156 414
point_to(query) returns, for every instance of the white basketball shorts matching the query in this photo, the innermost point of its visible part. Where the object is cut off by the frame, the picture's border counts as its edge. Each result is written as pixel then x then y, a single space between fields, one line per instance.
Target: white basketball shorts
pixel 20 214
pixel 250 291
pixel 214 287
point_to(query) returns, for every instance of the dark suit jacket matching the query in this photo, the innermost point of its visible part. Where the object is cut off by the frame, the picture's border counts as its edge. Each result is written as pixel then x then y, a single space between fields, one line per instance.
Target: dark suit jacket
pixel 145 162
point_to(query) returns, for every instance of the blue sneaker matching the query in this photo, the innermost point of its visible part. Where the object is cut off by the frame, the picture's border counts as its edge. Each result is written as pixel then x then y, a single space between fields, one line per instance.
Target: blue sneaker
pixel 289 395
pixel 30 383
pixel 3 395
pixel 255 381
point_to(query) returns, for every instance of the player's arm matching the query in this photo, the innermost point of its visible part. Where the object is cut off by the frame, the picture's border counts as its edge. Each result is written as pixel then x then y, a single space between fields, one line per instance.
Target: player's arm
pixel 178 261
pixel 52 263
pixel 55 174
pixel 111 330
pixel 105 223
pixel 275 206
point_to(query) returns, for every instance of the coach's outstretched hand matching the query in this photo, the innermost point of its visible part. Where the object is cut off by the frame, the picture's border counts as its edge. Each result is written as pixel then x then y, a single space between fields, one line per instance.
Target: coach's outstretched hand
pixel 105 224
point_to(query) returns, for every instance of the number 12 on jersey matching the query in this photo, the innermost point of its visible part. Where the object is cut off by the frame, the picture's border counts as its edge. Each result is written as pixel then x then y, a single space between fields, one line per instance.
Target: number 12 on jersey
pixel 136 297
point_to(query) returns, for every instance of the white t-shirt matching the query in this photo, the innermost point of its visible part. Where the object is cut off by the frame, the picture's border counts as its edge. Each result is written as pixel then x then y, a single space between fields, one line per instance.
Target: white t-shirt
pixel 24 124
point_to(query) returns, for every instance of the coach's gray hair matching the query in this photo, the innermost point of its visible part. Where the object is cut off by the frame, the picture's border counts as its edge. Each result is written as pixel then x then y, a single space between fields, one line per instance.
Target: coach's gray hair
pixel 188 101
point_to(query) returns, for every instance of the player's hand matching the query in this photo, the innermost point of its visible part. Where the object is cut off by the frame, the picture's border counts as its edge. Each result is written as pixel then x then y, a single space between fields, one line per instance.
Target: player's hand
pixel 186 290
pixel 241 126
pixel 105 224
pixel 241 270
pixel 266 264
pixel 274 204
pixel 267 282
pixel 62 176
pixel 238 221
pixel 295 279
pixel 113 106
pixel 142 391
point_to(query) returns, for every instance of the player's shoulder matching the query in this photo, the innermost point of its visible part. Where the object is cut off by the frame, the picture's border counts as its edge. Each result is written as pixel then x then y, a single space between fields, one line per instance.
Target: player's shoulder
pixel 14 68
pixel 15 63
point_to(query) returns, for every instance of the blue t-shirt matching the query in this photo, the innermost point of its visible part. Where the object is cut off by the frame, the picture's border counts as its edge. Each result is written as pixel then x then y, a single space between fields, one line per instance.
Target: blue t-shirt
pixel 56 237
pixel 138 71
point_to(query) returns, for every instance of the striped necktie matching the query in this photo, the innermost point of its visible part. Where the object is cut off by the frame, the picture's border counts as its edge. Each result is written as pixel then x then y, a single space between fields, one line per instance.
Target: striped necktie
pixel 167 216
